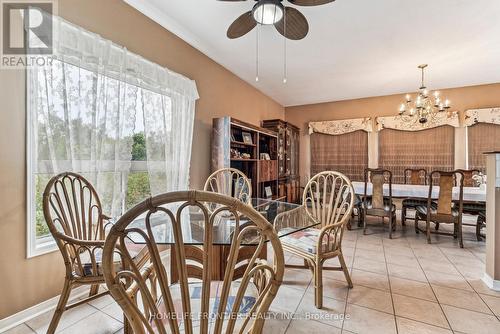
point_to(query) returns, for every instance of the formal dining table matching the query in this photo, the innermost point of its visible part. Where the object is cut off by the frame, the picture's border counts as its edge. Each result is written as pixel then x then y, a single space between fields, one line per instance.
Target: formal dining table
pixel 471 194
pixel 287 218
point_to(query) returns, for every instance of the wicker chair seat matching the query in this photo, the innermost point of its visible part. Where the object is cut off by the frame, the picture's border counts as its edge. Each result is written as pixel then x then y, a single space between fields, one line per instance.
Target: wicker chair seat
pixel 138 253
pixel 307 240
pixel 195 294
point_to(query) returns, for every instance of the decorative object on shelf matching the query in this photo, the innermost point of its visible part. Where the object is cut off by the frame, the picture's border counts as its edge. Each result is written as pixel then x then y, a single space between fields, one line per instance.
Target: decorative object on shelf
pixel 488 115
pixel 288 158
pixel 245 156
pixel 341 127
pixel 289 22
pixel 247 137
pixel 269 192
pixel 235 153
pixel 425 106
pixel 265 156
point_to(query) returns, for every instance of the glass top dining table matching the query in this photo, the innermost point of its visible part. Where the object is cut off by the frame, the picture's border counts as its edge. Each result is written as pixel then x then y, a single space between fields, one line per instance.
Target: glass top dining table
pixel 287 218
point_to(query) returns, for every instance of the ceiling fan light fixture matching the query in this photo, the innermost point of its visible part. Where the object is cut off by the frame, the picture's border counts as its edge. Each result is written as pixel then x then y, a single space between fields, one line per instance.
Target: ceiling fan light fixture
pixel 268 11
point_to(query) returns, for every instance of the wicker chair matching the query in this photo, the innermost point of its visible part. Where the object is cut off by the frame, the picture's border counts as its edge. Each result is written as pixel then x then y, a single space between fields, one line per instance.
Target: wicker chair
pixel 73 213
pixel 414 177
pixel 153 305
pixel 444 210
pixel 377 204
pixel 230 182
pixel 328 199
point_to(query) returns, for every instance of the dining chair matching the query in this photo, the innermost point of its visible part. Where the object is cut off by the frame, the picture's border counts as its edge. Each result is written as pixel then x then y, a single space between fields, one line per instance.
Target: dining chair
pixel 73 212
pixel 377 204
pixel 152 304
pixel 328 199
pixel 444 210
pixel 413 177
pixel 468 175
pixel 231 182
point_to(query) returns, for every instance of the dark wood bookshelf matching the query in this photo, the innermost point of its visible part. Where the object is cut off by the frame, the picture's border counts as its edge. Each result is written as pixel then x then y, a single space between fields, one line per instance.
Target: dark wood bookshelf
pixel 228 145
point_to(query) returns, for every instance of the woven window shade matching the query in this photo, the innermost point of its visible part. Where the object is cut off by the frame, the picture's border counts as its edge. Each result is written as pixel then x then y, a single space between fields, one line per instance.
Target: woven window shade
pixel 346 153
pixel 482 137
pixel 431 149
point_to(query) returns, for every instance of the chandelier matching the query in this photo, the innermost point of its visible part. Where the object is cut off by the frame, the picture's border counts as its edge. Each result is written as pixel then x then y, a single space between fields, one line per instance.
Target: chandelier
pixel 425 106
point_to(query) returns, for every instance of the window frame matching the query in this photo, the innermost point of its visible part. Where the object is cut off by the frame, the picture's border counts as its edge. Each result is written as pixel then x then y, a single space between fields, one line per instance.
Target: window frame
pixel 36 246
pixel 43 245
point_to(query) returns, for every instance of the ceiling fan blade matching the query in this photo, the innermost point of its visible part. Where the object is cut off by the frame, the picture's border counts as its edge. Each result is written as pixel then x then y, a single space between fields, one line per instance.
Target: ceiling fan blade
pixel 296 24
pixel 241 25
pixel 310 2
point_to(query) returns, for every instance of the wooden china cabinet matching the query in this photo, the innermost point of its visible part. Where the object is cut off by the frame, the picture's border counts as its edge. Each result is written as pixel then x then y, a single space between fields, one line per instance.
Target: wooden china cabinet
pixel 288 158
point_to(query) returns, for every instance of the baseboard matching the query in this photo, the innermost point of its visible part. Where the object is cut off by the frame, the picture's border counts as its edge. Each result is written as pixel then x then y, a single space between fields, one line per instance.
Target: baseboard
pixel 491 283
pixel 33 311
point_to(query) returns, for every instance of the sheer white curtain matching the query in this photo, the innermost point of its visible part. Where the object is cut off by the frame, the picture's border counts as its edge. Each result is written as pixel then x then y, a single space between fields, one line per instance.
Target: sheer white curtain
pixel 83 111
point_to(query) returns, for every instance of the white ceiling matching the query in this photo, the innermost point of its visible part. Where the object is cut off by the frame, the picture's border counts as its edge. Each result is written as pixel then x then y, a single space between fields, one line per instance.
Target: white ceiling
pixel 355 48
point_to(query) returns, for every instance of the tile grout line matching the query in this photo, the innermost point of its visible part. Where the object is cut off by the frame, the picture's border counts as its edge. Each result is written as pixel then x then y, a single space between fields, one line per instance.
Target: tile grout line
pixel 348 289
pixel 465 278
pixel 432 289
pixel 298 305
pixel 390 286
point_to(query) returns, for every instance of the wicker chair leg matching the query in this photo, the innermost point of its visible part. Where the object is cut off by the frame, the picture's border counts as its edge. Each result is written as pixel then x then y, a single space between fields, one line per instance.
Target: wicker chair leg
pixel 318 285
pixel 345 270
pixel 61 306
pixel 364 221
pixel 94 290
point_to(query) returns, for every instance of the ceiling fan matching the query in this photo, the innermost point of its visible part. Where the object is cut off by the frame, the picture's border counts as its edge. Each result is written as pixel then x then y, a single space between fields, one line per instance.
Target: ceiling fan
pixel 288 21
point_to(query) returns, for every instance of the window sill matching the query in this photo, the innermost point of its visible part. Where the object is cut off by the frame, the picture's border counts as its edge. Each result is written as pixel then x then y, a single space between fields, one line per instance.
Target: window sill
pixel 42 246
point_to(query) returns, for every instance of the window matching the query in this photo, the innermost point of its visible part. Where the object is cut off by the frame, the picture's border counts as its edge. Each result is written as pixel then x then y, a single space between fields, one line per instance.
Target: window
pixel 431 149
pixel 96 109
pixel 346 153
pixel 481 137
pixel 70 134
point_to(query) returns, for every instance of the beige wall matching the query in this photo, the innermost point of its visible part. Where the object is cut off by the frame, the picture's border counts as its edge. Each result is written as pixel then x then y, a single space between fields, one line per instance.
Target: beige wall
pixel 483 96
pixel 25 282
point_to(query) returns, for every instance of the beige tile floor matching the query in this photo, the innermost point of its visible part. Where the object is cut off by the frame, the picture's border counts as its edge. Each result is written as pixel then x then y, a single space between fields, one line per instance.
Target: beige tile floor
pixel 401 286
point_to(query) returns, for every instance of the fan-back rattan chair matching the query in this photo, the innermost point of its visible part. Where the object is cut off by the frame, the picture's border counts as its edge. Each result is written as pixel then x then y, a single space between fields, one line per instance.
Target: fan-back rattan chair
pixel 413 177
pixel 73 212
pixel 444 210
pixel 377 204
pixel 328 199
pixel 230 182
pixel 153 305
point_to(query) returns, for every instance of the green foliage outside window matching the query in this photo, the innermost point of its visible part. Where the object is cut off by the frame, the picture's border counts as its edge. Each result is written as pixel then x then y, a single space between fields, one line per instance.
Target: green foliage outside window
pixel 138 187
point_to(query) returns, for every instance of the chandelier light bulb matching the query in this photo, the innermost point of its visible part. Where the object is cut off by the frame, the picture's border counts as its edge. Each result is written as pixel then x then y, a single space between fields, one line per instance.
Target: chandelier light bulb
pixel 427 103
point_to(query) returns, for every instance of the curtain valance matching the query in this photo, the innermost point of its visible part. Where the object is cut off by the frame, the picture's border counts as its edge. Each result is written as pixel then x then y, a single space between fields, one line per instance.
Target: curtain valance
pixel 409 124
pixel 90 51
pixel 488 115
pixel 341 127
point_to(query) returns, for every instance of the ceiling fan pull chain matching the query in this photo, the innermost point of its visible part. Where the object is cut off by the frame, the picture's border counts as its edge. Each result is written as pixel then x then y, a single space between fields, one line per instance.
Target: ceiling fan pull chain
pixel 257 54
pixel 284 49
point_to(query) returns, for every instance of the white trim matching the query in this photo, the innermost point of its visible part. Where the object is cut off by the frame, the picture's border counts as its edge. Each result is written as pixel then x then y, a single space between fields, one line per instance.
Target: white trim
pixel 34 311
pixel 491 283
